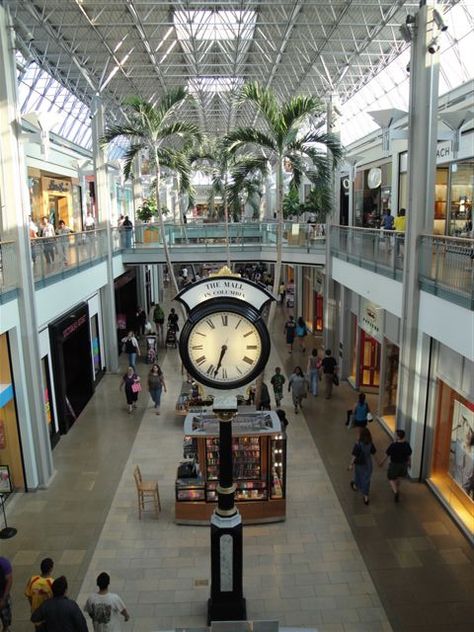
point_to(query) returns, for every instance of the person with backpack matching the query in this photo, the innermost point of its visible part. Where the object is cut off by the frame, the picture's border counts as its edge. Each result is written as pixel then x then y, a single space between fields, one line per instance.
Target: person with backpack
pixel 360 414
pixel 361 463
pixel 131 348
pixel 39 587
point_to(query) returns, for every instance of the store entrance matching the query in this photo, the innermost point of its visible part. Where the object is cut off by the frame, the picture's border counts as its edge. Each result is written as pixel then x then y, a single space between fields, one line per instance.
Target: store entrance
pixel 318 312
pixel 369 361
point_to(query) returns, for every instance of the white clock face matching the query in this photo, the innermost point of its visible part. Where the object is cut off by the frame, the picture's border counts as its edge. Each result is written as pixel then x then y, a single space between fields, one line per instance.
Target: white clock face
pixel 224 347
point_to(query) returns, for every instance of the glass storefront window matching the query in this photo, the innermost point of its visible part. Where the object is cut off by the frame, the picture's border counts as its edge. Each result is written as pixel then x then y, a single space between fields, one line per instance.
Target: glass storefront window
pixel 452 467
pixel 461 193
pixel 441 200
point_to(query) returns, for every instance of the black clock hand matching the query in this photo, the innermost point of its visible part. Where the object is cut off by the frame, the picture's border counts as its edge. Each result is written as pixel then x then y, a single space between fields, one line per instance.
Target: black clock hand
pixel 223 350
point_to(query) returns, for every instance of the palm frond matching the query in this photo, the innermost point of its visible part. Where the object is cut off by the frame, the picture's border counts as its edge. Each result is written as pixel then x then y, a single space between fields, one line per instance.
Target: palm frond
pixel 125 131
pixel 183 129
pixel 169 101
pixel 298 108
pixel 129 156
pixel 266 103
pixel 320 138
pixel 243 136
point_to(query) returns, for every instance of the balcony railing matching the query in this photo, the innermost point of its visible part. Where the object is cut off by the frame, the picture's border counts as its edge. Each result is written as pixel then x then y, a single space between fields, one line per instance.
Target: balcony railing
pixel 375 250
pixel 447 268
pixel 8 266
pixel 63 254
pixel 241 235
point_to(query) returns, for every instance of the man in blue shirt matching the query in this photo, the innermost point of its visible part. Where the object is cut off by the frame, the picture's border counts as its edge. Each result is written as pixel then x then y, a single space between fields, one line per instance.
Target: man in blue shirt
pixel 60 614
pixel 387 220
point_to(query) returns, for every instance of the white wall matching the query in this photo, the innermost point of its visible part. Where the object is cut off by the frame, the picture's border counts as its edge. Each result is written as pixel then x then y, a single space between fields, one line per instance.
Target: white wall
pixel 382 291
pixel 58 298
pixel 45 350
pixel 449 323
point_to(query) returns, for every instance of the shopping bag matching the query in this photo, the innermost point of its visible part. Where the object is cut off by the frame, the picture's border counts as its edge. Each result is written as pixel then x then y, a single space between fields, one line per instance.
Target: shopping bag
pixel 136 387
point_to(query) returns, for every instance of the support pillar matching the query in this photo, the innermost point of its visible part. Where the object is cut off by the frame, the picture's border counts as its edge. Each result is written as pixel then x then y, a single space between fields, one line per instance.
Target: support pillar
pixel 226 602
pixel 15 208
pixel 329 334
pixel 422 138
pixel 104 215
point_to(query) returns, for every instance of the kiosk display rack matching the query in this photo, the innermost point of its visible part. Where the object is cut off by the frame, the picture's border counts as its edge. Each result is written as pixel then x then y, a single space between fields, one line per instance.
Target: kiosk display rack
pixel 259 468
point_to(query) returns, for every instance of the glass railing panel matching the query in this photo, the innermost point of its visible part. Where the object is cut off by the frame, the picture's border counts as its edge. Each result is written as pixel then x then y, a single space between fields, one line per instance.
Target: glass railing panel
pixel 447 268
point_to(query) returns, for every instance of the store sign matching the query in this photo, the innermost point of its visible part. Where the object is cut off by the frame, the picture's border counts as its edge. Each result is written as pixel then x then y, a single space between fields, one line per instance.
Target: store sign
pixel 70 329
pixel 56 186
pixel 443 152
pixel 371 319
pixel 224 287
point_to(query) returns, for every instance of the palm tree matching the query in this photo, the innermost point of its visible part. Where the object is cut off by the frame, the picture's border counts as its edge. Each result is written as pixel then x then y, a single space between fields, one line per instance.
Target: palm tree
pixel 247 176
pixel 155 130
pixel 283 139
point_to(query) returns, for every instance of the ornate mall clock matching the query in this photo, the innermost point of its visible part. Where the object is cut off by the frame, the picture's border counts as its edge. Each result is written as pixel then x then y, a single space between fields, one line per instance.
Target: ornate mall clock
pixel 224 343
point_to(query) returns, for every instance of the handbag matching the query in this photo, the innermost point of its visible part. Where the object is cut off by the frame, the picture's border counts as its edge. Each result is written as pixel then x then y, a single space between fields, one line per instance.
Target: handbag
pixel 335 379
pixel 136 387
pixel 370 417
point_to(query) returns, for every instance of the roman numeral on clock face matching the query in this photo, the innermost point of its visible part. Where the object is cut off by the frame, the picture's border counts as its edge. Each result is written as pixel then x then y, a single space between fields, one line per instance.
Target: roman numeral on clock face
pixel 210 324
pixel 201 360
pixel 210 369
pixel 247 359
pixel 249 333
pixel 225 319
pixel 197 347
pixel 251 346
pixel 224 374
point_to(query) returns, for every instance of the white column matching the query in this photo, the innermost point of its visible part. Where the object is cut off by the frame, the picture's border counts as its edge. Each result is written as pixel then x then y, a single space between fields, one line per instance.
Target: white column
pixel 14 212
pixel 104 214
pixel 422 130
pixel 329 334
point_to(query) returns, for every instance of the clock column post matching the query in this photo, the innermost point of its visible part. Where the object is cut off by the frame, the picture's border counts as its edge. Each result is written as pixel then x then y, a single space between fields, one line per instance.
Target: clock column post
pixel 226 602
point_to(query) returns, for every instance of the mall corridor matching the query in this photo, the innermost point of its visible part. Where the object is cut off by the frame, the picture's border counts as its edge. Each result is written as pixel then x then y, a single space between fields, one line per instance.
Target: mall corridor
pixel 334 565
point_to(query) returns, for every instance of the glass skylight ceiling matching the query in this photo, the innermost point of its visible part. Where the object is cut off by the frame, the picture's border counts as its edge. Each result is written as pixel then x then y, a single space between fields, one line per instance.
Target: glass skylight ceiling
pixel 214 84
pixel 390 88
pixel 214 25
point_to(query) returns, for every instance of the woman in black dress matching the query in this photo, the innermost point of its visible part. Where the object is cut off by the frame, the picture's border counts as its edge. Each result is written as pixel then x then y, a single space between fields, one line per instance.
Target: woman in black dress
pixel 131 383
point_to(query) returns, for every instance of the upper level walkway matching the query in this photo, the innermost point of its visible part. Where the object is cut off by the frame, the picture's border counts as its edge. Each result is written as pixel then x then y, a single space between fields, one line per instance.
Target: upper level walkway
pixel 446 263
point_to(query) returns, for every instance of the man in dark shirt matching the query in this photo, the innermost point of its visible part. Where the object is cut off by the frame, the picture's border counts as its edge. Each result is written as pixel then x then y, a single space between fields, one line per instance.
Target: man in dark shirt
pixel 329 368
pixel 400 460
pixel 59 613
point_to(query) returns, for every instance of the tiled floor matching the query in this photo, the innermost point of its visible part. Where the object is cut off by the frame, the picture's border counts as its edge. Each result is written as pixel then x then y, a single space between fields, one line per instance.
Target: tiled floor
pixel 333 565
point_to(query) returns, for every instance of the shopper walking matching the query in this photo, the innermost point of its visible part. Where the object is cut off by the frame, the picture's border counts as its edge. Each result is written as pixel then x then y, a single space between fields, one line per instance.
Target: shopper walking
pixel 173 319
pixel 105 608
pixel 297 386
pixel 6 581
pixel 399 453
pixel 159 319
pixel 131 383
pixel 301 332
pixel 312 369
pixel 277 382
pixel 60 614
pixel 265 403
pixel 48 234
pixel 156 385
pixel 329 369
pixel 282 292
pixel 127 228
pixel 141 319
pixel 290 328
pixel 63 233
pixel 131 348
pixel 361 463
pixel 360 414
pixel 39 587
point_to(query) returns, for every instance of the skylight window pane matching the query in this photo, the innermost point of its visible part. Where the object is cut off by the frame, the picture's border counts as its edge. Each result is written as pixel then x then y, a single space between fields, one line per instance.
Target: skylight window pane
pixel 214 84
pixel 208 25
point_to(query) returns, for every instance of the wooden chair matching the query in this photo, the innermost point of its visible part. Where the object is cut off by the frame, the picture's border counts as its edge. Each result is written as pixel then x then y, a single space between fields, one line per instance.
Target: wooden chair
pixel 147 491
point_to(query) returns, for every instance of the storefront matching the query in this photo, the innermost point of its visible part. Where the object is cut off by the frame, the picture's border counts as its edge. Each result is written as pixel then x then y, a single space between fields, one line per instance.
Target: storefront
pixel 55 197
pixel 454 188
pixel 12 475
pixel 70 340
pixel 452 467
pixel 372 193
pixel 313 304
pixel 126 302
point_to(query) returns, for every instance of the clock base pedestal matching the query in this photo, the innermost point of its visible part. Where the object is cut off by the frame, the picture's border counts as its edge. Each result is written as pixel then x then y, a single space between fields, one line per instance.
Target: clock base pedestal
pixel 227 602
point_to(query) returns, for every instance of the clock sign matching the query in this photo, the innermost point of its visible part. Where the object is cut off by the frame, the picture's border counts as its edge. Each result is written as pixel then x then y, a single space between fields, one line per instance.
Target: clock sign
pixel 224 343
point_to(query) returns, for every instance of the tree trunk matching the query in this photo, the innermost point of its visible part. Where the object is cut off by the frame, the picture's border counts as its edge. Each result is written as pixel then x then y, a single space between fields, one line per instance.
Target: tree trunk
pixel 174 284
pixel 226 220
pixel 279 243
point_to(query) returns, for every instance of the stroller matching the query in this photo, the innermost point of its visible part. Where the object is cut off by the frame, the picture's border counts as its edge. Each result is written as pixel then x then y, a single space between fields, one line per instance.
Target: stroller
pixel 171 339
